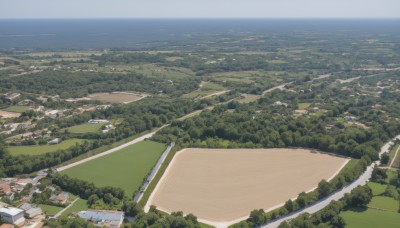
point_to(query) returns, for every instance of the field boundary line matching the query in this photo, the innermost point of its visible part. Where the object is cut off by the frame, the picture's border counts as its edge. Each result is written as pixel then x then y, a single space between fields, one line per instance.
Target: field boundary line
pixel 153 173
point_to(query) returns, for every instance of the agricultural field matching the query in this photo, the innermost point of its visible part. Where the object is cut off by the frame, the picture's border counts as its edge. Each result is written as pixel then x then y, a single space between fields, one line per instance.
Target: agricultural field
pixel 362 218
pixel 17 108
pixel 50 210
pixel 384 203
pixel 6 114
pixel 80 205
pixel 207 182
pixel 247 98
pixel 116 97
pixel 42 149
pixel 125 168
pixel 304 106
pixel 377 188
pixel 85 128
pixel 206 89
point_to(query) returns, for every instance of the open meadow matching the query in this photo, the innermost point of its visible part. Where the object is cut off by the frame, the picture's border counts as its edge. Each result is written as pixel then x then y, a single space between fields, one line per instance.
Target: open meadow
pixel 85 128
pixel 125 168
pixel 42 149
pixel 222 185
pixel 371 218
pixel 7 114
pixel 116 97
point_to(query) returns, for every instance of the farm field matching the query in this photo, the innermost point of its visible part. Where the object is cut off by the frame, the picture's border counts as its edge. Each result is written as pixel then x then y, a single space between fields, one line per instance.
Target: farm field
pixel 377 188
pixel 42 149
pixel 125 168
pixel 121 97
pixel 207 88
pixel 79 205
pixel 384 203
pixel 16 108
pixel 207 182
pixel 371 218
pixel 85 128
pixel 6 114
pixel 50 210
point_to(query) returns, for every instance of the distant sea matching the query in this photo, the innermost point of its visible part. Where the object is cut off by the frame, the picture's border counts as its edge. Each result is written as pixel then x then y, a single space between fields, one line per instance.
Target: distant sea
pixel 142 33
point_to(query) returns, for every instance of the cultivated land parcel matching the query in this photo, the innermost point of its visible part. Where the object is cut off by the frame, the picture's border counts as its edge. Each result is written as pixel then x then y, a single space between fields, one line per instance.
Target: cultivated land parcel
pixel 125 168
pixel 223 185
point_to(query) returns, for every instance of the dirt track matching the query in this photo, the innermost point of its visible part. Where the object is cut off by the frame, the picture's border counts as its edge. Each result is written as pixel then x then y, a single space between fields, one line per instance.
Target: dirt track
pixel 221 185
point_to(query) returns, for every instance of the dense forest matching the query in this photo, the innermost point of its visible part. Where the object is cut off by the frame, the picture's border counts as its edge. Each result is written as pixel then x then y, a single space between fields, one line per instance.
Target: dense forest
pixel 80 84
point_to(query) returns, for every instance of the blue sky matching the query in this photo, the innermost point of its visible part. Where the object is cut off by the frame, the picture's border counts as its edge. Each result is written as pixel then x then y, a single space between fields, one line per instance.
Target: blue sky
pixel 199 8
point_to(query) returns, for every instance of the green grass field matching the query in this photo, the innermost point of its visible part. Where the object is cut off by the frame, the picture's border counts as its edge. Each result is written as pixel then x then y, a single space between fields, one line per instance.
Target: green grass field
pixel 42 149
pixel 17 108
pixel 208 88
pixel 384 203
pixel 85 128
pixel 125 169
pixel 371 218
pixel 303 106
pixel 50 210
pixel 79 205
pixel 377 188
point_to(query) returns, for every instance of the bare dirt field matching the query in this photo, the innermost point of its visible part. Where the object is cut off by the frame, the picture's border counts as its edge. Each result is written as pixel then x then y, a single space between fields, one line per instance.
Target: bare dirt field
pixel 5 114
pixel 119 97
pixel 222 186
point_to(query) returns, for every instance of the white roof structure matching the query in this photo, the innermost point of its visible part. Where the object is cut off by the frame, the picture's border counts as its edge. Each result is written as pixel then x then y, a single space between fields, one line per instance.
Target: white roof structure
pixel 11 210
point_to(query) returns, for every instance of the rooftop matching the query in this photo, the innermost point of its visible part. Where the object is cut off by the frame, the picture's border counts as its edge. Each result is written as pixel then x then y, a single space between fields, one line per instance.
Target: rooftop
pixel 11 210
pixel 101 215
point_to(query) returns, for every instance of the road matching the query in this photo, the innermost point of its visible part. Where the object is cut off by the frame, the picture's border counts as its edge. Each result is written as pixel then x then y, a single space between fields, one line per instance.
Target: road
pixel 363 179
pixel 153 173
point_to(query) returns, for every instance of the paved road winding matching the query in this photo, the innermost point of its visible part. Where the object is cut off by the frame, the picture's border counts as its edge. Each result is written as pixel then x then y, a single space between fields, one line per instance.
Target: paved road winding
pixel 363 179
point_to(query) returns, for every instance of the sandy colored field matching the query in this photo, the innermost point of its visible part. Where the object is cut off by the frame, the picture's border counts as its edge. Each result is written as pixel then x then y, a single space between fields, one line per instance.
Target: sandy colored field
pixel 5 114
pixel 223 185
pixel 116 97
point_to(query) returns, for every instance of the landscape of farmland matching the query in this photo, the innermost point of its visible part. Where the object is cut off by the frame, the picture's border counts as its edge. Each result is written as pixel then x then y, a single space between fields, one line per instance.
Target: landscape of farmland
pixel 179 123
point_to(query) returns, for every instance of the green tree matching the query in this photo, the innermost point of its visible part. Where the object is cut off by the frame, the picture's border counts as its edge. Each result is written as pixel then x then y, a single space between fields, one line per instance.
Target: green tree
pixel 324 188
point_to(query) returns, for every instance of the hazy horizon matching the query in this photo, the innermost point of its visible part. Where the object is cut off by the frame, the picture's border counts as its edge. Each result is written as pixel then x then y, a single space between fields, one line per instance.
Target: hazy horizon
pixel 205 9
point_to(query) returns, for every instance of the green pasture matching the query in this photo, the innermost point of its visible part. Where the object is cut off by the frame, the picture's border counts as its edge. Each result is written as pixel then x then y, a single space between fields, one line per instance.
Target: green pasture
pixel 50 210
pixel 377 188
pixel 17 108
pixel 125 168
pixel 79 205
pixel 384 203
pixel 371 218
pixel 85 128
pixel 42 149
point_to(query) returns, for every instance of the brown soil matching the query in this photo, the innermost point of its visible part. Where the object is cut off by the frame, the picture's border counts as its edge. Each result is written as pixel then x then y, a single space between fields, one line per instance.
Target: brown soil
pixel 222 185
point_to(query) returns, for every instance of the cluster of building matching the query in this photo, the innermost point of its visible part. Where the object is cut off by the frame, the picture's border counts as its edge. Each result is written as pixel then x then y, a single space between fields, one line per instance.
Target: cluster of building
pixel 9 187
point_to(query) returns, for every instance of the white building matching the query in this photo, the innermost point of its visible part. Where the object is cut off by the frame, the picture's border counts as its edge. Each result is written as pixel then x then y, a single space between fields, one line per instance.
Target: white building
pixel 98 121
pixel 110 219
pixel 12 215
